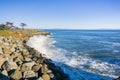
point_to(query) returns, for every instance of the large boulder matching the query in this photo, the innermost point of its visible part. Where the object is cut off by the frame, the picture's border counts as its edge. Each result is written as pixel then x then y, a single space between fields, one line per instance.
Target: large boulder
pixel 29 74
pixel 44 69
pixel 45 77
pixel 7 51
pixel 27 66
pixel 4 72
pixel 17 75
pixel 9 65
pixel 36 67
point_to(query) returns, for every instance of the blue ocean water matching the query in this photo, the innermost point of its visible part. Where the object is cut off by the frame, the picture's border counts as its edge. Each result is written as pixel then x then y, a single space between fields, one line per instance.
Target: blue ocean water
pixel 99 44
pixel 103 45
pixel 83 54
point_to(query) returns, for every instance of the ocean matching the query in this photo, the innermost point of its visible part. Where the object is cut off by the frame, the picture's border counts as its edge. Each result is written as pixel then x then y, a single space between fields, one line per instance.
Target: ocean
pixel 82 54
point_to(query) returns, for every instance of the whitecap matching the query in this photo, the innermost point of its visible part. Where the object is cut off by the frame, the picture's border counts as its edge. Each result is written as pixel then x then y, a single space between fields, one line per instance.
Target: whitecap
pixel 46 45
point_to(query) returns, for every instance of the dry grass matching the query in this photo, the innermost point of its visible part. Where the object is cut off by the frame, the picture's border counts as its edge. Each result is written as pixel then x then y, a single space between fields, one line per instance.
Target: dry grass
pixel 18 33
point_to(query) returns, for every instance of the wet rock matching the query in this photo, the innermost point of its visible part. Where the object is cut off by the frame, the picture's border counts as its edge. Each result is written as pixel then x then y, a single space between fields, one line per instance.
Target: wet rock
pixel 29 74
pixel 16 75
pixel 36 67
pixel 45 77
pixel 44 68
pixel 40 78
pixel 51 75
pixel 4 72
pixel 117 78
pixel 49 71
pixel 3 77
pixel 41 60
pixel 58 73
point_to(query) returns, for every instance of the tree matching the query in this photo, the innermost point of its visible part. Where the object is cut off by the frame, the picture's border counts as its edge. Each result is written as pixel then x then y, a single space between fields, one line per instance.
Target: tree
pixel 2 27
pixel 9 25
pixel 23 25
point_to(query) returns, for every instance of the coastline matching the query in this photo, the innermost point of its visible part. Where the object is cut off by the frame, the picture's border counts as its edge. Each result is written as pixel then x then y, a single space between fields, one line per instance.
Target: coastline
pixel 24 63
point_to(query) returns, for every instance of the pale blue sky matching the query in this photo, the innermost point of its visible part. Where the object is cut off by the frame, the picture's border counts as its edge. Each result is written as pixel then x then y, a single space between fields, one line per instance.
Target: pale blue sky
pixel 62 14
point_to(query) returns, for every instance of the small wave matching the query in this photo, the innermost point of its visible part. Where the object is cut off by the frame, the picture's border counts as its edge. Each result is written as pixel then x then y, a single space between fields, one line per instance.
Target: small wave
pixel 115 51
pixel 88 37
pixel 46 45
pixel 113 44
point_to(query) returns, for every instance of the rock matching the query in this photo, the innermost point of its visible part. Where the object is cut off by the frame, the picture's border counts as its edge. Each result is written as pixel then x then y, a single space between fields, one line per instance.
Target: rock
pixel 17 75
pixel 34 59
pixel 40 78
pixel 13 65
pixel 44 68
pixel 23 62
pixel 28 59
pixel 25 52
pixel 51 75
pixel 20 57
pixel 117 78
pixel 27 66
pixel 16 59
pixel 7 51
pixel 29 74
pixel 1 50
pixel 19 63
pixel 36 67
pixel 12 49
pixel 58 73
pixel 9 65
pixel 4 72
pixel 40 60
pixel 6 66
pixel 45 77
pixel 49 71
pixel 14 55
pixel 2 45
pixel 2 60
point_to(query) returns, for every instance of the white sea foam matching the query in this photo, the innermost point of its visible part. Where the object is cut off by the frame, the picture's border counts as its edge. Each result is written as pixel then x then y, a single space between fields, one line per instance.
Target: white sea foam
pixel 46 45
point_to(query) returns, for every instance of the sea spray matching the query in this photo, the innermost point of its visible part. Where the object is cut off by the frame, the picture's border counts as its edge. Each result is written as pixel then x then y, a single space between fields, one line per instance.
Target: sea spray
pixel 74 65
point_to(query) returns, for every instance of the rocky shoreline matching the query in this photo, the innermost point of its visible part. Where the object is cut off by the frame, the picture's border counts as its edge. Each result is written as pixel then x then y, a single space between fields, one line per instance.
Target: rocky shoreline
pixel 21 62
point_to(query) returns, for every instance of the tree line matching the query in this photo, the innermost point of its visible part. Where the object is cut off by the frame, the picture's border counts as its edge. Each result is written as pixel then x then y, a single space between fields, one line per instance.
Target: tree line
pixel 9 25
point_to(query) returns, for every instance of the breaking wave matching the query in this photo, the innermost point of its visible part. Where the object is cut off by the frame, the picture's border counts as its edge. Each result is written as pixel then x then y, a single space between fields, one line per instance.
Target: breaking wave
pixel 78 62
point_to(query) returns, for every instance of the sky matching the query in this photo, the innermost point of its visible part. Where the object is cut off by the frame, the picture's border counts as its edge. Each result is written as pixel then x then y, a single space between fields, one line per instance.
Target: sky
pixel 62 14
